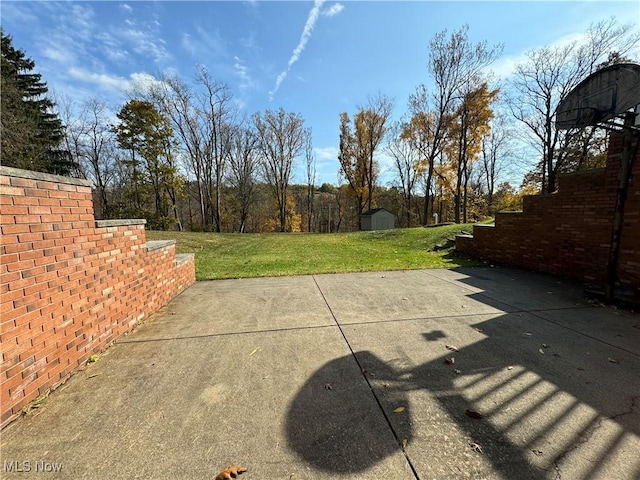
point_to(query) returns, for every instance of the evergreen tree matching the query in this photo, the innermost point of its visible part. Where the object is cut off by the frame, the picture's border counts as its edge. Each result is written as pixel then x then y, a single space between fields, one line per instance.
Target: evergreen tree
pixel 147 137
pixel 31 132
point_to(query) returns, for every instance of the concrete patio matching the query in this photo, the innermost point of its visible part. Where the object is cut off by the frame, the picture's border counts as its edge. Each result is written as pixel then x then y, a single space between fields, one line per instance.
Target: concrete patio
pixel 344 376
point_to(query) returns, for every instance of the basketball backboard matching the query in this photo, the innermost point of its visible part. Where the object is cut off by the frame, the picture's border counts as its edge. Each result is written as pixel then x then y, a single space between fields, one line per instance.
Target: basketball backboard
pixel 600 97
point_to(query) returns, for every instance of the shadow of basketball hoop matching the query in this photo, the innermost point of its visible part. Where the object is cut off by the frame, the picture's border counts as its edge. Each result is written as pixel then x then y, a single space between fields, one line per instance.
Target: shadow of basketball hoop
pixel 343 420
pixel 333 423
pixel 340 430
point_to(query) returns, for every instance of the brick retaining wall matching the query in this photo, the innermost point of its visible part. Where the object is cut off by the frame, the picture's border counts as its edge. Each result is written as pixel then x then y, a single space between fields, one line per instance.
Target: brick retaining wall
pixel 70 285
pixel 568 233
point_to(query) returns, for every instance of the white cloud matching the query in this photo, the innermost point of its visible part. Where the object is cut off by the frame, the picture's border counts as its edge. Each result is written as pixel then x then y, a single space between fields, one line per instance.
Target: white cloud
pixel 327 165
pixel 137 81
pixel 58 55
pixel 111 47
pixel 312 18
pixel 505 66
pixel 187 43
pixel 326 153
pixel 79 21
pixel 242 72
pixel 127 8
pixel 143 82
pixel 111 82
pixel 146 43
pixel 335 9
pixel 249 42
pixel 18 12
pixel 209 43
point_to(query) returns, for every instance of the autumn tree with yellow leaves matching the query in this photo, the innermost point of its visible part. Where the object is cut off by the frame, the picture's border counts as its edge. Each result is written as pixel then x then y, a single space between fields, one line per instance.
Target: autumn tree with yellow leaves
pixel 454 64
pixel 465 132
pixel 359 141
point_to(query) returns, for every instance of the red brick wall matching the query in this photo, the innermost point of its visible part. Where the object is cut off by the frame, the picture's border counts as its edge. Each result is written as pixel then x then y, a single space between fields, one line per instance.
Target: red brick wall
pixel 568 233
pixel 70 285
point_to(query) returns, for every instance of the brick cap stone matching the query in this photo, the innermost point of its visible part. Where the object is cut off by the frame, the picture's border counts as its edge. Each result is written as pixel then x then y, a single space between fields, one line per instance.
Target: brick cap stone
pixel 120 222
pixel 46 177
pixel 158 244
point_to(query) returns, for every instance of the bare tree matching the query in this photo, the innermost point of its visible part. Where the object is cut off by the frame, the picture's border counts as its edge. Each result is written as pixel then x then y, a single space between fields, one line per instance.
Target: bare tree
pixel 92 146
pixel 281 139
pixel 216 109
pixel 177 101
pixel 496 147
pixel 407 165
pixel 203 119
pixel 243 163
pixel 311 177
pixel 548 75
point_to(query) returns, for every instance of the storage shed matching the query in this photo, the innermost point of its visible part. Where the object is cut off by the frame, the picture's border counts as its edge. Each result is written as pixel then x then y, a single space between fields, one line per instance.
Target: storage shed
pixel 377 219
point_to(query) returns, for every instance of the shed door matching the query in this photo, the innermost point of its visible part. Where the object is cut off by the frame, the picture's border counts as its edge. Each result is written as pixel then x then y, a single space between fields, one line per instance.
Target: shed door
pixel 382 223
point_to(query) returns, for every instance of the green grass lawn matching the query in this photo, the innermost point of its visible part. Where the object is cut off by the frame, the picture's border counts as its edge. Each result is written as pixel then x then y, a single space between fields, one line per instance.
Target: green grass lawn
pixel 233 255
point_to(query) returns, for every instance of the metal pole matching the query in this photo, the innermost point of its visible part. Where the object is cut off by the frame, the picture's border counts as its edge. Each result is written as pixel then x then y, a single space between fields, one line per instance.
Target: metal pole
pixel 621 196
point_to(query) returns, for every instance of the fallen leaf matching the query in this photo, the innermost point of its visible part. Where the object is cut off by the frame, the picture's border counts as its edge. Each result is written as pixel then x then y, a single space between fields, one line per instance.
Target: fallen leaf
pixel 450 361
pixel 457 371
pixel 405 442
pixel 452 348
pixel 510 367
pixel 611 360
pixel 473 413
pixel 537 452
pixel 477 329
pixel 544 345
pixel 475 447
pixel 364 372
pixel 328 386
pixel 527 334
pixel 385 385
pixel 254 351
pixel 399 410
pixel 541 351
pixel 230 472
pixel 94 375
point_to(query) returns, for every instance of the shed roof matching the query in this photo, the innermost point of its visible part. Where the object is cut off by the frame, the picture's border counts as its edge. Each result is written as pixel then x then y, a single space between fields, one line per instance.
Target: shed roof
pixel 373 211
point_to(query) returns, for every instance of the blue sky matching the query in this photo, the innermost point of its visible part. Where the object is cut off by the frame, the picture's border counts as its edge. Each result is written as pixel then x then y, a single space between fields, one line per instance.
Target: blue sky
pixel 315 58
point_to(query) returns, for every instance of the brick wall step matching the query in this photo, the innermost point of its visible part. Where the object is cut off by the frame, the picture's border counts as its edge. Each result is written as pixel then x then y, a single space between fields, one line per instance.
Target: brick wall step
pixel 70 284
pixel 158 244
pixel 182 258
pixel 568 233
